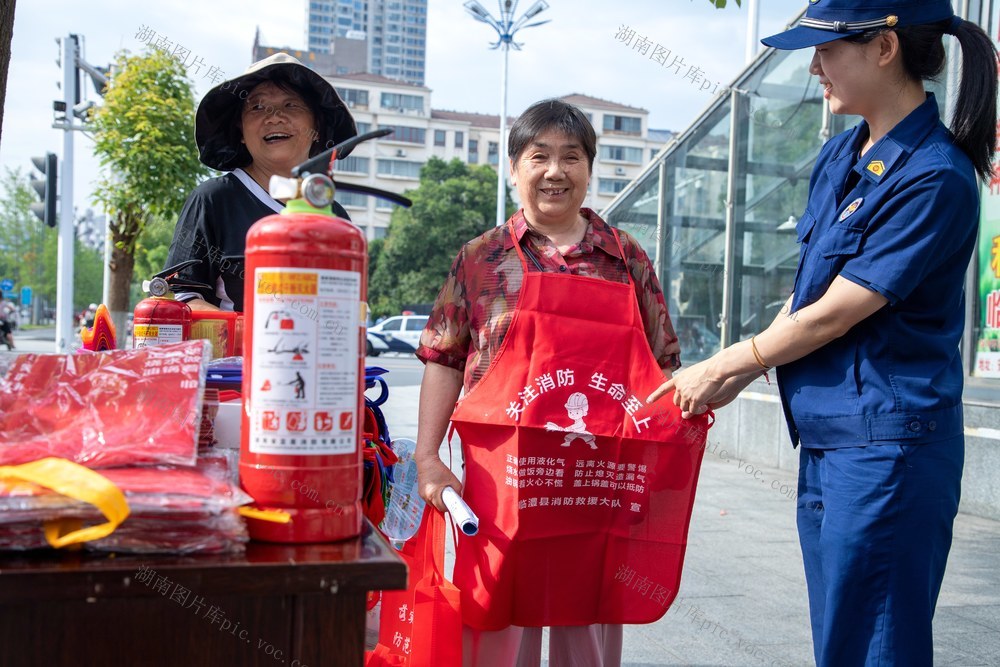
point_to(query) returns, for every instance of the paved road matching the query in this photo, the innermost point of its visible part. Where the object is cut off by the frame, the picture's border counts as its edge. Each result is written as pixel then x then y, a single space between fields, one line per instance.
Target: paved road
pixel 35 340
pixel 742 599
pixel 405 370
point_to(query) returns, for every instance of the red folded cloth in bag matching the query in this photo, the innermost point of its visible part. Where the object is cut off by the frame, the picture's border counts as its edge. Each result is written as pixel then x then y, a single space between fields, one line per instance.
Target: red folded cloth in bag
pixel 207 489
pixel 160 533
pixel 423 624
pixel 114 408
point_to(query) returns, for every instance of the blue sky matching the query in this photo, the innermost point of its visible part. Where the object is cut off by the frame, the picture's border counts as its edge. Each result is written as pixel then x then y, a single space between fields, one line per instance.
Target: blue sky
pixel 575 53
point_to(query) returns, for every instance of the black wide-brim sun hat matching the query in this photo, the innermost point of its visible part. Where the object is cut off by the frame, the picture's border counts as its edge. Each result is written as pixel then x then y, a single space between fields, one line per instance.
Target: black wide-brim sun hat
pixel 830 20
pixel 216 124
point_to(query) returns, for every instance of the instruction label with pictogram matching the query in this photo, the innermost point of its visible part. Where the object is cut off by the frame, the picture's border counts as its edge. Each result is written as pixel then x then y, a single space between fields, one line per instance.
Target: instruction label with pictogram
pixel 305 361
pixel 146 335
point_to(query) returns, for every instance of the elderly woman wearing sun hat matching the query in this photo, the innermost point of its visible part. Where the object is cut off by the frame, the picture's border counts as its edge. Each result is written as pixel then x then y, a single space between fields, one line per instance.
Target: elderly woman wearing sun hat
pixel 273 117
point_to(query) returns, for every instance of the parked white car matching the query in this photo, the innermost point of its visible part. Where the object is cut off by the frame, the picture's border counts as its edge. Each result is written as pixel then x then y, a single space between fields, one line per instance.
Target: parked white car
pixel 396 334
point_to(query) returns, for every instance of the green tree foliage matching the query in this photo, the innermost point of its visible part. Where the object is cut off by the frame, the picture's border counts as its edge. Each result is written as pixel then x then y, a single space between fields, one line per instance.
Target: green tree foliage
pixel 21 233
pixel 151 252
pixel 144 137
pixel 88 272
pixel 721 4
pixel 453 204
pixel 29 249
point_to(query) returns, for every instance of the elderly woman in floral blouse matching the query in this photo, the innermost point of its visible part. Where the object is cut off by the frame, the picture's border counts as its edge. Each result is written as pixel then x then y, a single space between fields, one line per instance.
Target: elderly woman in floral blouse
pixel 552 148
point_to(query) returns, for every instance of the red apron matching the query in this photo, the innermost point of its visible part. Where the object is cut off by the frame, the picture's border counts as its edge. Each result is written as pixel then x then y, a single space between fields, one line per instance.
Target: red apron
pixel 583 491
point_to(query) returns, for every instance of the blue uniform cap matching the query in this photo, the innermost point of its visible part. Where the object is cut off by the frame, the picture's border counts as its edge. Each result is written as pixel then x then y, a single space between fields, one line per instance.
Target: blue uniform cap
pixel 829 20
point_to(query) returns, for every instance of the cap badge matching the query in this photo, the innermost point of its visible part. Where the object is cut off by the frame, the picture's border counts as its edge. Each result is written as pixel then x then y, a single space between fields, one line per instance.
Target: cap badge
pixel 891 20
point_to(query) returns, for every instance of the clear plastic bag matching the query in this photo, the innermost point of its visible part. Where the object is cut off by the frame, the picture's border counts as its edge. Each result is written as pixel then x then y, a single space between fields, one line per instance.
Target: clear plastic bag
pixel 206 489
pixel 105 409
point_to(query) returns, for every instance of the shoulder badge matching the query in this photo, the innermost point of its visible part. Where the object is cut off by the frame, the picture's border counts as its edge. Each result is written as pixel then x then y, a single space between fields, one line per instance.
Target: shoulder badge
pixel 851 208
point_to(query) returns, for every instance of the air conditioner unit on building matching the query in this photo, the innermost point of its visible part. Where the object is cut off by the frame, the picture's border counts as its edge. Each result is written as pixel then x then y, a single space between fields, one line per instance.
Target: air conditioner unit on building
pixel 619 171
pixel 400 152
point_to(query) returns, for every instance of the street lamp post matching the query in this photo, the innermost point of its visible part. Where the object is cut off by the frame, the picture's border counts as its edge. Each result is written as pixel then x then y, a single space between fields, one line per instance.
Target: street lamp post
pixel 506 26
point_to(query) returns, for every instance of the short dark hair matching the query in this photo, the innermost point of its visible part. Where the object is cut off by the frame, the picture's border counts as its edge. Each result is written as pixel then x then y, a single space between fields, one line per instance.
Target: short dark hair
pixel 548 115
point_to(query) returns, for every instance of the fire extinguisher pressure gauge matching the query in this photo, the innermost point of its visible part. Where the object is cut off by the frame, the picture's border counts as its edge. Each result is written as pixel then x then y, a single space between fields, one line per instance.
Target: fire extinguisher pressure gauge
pixel 318 190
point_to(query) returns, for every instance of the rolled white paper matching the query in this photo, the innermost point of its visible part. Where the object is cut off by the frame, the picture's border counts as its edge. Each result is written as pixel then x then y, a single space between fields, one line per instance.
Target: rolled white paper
pixel 461 513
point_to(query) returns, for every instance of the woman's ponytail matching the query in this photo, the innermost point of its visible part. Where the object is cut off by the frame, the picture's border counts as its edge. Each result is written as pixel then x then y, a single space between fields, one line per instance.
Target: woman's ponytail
pixel 974 123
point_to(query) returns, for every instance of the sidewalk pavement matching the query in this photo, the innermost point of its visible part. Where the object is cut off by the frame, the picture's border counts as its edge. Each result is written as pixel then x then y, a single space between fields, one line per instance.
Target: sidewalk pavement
pixel 34 340
pixel 742 599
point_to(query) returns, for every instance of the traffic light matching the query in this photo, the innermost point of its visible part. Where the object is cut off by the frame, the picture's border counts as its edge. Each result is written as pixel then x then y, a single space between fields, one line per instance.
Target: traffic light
pixel 46 189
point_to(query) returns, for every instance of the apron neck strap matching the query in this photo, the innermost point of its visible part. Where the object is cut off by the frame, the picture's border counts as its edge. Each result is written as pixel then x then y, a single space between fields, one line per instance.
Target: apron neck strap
pixel 621 253
pixel 524 262
pixel 521 251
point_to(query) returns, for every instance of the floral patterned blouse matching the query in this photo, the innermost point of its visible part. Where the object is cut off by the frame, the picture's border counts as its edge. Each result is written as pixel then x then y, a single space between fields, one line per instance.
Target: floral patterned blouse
pixel 474 309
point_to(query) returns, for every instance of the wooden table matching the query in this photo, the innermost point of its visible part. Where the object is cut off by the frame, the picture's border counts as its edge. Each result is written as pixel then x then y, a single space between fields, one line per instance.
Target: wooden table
pixel 292 605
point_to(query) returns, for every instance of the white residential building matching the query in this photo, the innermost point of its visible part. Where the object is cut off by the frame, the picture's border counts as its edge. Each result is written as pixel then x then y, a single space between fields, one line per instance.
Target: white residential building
pixel 624 145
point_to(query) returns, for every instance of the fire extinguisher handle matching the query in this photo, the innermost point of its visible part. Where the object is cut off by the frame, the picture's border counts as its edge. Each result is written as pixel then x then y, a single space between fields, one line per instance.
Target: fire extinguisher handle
pixel 172 271
pixel 320 164
pixel 375 192
pixel 168 276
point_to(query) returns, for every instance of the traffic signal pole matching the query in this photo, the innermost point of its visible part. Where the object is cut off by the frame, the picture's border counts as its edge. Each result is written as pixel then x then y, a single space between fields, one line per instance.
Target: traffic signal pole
pixel 65 320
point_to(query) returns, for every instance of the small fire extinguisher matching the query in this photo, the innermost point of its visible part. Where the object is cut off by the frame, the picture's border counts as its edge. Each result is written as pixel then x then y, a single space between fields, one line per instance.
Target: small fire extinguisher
pixel 160 319
pixel 303 365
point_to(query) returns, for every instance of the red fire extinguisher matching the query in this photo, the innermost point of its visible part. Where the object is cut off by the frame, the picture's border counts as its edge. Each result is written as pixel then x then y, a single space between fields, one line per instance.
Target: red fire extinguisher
pixel 159 319
pixel 303 365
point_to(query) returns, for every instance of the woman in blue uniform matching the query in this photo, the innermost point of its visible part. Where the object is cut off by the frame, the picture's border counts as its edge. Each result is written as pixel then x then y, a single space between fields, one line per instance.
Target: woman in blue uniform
pixel 867 347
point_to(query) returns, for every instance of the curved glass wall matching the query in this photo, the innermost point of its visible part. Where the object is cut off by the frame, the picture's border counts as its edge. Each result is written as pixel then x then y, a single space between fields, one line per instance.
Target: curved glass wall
pixel 717 209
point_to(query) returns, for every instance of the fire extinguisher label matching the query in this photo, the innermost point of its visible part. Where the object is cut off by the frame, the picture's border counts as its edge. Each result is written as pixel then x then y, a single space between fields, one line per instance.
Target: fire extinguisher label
pixel 305 361
pixel 147 335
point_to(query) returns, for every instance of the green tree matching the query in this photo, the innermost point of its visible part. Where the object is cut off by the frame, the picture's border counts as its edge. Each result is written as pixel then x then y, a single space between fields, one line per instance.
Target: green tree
pixel 453 204
pixel 29 249
pixel 721 4
pixel 144 137
pixel 22 235
pixel 151 252
pixel 88 272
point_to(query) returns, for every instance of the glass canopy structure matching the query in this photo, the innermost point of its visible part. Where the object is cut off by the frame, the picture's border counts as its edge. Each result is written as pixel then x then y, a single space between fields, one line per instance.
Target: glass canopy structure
pixel 716 209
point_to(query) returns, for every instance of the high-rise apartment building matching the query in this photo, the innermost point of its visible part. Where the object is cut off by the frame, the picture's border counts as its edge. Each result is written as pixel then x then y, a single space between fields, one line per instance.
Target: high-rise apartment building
pixel 395 33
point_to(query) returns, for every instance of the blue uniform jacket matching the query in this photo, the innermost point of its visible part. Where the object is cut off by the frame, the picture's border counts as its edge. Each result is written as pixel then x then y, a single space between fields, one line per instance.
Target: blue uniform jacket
pixel 907 230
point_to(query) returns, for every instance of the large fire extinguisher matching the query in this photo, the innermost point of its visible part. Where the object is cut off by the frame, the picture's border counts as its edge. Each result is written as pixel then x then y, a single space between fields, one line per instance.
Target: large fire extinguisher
pixel 303 365
pixel 159 319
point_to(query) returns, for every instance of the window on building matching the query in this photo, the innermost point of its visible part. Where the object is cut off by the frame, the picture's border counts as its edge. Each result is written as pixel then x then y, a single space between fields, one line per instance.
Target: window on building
pixel 411 135
pixel 363 128
pixel 440 137
pixel 354 164
pixel 474 151
pixel 621 154
pixel 459 139
pixel 352 199
pixel 354 97
pixel 400 168
pixel 622 124
pixel 611 186
pixel 401 101
pixel 493 153
pixel 380 232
